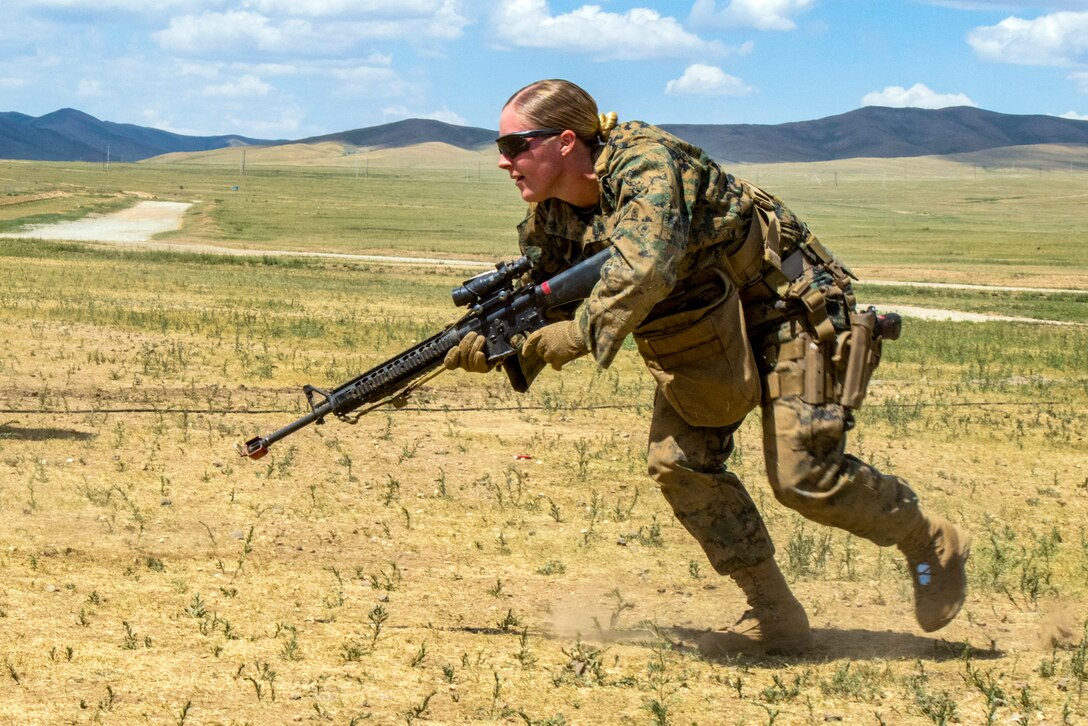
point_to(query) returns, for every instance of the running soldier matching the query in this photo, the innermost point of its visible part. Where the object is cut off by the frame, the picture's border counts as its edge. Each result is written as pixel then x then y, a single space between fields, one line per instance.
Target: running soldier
pixel 733 303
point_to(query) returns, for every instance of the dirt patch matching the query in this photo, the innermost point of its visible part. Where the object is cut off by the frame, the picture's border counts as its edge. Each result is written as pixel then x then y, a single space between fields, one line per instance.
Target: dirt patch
pixel 138 223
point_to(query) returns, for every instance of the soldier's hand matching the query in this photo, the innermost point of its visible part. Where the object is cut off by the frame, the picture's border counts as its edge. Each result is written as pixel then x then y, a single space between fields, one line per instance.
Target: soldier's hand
pixel 468 355
pixel 558 344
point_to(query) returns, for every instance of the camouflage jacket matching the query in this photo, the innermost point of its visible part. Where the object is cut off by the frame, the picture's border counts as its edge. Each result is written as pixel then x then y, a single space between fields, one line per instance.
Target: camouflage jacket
pixel 668 209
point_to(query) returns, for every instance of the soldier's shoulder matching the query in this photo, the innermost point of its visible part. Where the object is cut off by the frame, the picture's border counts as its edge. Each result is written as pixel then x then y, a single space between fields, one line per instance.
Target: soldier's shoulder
pixel 630 133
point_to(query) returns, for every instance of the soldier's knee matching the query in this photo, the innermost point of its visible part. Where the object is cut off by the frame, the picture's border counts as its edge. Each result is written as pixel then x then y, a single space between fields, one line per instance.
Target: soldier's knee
pixel 803 485
pixel 663 469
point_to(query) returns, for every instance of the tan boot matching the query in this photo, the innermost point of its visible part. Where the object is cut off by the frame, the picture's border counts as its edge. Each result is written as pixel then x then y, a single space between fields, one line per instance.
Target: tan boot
pixel 936 554
pixel 775 623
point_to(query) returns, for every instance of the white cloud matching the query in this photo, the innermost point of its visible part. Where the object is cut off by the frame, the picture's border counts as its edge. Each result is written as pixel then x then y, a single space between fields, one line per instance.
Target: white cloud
pixel 917 96
pixel 406 19
pixel 292 32
pixel 445 115
pixel 1058 39
pixel 227 32
pixel 102 6
pixel 10 83
pixel 368 82
pixel 1010 5
pixel 154 119
pixel 273 123
pixel 1075 116
pixel 758 14
pixel 704 80
pixel 277 123
pixel 89 89
pixel 377 8
pixel 245 86
pixel 380 59
pixel 277 69
pixel 636 34
pixel 1081 79
pixel 199 70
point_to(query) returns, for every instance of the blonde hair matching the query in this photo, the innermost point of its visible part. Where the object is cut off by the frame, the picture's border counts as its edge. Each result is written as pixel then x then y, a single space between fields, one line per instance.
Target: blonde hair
pixel 559 104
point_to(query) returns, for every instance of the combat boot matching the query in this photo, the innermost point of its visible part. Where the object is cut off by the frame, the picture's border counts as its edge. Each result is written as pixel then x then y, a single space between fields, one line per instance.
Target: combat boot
pixel 936 552
pixel 775 622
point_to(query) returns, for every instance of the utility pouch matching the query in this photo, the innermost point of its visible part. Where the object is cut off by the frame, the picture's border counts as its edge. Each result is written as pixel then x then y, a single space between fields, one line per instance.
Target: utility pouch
pixel 701 359
pixel 758 258
pixel 800 366
pixel 862 356
pixel 819 383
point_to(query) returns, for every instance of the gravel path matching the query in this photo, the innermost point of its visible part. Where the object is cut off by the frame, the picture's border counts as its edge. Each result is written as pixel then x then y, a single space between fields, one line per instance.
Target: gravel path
pixel 138 224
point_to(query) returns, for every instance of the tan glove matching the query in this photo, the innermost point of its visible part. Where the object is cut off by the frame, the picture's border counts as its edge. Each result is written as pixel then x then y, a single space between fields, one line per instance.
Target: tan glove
pixel 558 344
pixel 468 355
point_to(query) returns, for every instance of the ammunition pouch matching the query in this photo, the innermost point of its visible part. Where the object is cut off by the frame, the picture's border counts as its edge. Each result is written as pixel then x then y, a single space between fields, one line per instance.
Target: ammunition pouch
pixel 696 348
pixel 800 366
pixel 835 370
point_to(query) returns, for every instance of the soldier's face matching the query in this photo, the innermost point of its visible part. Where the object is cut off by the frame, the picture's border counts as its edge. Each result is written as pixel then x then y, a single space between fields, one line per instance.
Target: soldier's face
pixel 536 170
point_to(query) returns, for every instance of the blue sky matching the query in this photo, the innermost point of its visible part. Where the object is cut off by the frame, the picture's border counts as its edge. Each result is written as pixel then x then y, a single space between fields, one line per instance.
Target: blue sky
pixel 297 68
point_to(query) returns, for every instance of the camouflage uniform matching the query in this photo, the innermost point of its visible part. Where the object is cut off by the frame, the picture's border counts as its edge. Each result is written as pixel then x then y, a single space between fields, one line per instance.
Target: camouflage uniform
pixel 733 303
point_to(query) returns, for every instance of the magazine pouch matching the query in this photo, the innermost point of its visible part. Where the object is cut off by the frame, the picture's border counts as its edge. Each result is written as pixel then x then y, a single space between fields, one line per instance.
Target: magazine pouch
pixel 699 354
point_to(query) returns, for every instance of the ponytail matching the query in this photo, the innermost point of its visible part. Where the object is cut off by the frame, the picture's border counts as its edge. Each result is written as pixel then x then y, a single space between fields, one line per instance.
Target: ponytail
pixel 605 123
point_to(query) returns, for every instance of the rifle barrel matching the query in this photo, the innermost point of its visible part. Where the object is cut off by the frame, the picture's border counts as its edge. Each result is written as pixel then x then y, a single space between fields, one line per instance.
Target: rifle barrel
pixel 257 447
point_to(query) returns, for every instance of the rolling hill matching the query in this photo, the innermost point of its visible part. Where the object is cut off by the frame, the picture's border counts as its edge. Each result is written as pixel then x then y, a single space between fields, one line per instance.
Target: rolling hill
pixel 872 132
pixel 71 135
pixel 880 132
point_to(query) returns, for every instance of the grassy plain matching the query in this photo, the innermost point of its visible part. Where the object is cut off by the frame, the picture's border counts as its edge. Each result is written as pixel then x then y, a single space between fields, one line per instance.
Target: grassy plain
pixel 486 557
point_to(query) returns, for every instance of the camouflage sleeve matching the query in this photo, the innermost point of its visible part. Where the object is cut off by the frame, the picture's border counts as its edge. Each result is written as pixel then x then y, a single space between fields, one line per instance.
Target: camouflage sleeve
pixel 651 234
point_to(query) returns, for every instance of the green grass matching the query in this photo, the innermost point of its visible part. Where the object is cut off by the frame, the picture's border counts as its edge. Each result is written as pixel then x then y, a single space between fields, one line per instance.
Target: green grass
pixel 1009 224
pixel 428 212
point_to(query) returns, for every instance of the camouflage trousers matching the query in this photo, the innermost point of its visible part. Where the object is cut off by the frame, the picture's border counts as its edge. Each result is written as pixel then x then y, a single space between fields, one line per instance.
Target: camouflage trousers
pixel 808 469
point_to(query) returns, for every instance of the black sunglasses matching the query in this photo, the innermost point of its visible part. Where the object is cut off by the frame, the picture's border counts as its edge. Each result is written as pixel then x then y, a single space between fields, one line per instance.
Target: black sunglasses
pixel 510 145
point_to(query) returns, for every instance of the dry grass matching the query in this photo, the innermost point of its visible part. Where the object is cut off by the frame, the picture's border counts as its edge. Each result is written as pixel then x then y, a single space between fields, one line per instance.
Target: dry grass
pixel 417 567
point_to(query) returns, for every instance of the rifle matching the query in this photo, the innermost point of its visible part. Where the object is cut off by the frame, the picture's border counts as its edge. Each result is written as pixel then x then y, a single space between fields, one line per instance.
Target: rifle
pixel 498 309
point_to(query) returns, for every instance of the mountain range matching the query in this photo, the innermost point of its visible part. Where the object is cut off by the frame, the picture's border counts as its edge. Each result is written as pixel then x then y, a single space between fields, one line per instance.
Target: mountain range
pixel 872 131
pixel 71 135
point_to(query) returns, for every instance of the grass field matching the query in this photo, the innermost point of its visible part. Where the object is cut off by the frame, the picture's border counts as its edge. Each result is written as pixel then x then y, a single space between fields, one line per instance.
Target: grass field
pixel 481 556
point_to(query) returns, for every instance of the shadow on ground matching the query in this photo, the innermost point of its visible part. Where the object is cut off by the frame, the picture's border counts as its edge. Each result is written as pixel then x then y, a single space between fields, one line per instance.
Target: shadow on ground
pixel 855 644
pixel 828 644
pixel 43 434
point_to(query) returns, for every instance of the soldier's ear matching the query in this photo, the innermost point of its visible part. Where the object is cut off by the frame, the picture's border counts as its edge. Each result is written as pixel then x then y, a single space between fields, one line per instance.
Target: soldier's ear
pixel 567 141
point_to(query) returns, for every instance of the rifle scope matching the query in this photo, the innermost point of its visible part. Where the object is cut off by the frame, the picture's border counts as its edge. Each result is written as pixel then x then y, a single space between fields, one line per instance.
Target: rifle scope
pixel 486 283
